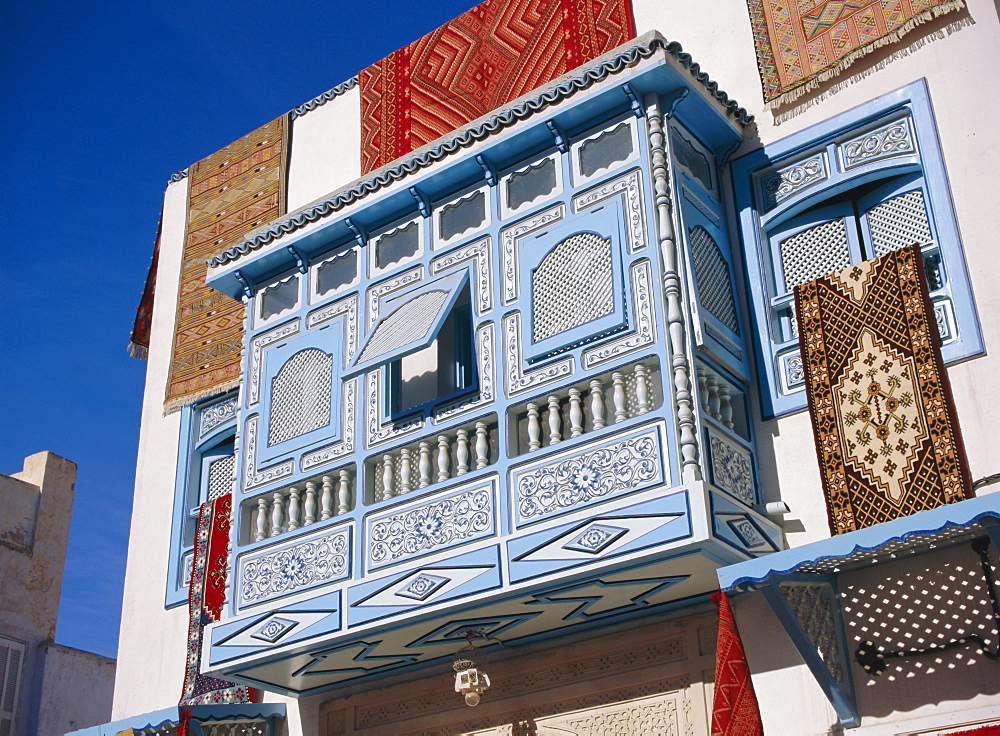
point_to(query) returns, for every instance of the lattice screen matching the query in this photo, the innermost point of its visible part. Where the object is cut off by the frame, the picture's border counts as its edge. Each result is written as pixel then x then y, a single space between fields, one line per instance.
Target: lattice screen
pixel 815 252
pixel 712 274
pixel 235 728
pixel 406 324
pixel 572 285
pixel 899 222
pixel 300 396
pixel 221 473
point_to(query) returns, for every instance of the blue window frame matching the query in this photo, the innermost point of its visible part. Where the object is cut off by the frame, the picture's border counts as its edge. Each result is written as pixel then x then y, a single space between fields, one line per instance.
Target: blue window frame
pixel 206 469
pixel 574 272
pixel 852 188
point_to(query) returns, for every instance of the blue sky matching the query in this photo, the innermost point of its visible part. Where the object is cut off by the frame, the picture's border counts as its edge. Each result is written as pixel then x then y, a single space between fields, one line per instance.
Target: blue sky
pixel 101 102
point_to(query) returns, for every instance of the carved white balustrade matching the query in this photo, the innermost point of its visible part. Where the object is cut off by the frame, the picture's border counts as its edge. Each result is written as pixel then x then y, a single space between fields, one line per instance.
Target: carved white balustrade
pixel 435 459
pixel 722 399
pixel 587 407
pixel 302 505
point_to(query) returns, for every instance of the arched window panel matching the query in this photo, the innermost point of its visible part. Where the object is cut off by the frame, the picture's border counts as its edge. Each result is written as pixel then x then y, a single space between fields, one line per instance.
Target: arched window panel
pixel 302 392
pixel 574 272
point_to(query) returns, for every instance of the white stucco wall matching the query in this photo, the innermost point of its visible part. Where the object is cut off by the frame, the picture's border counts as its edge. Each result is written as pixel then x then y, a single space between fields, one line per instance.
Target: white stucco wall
pixel 76 690
pixel 151 647
pixel 326 149
pixel 324 156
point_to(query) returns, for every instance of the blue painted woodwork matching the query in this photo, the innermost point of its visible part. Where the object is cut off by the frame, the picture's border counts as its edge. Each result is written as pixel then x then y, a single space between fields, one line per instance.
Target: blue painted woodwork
pixel 851 161
pixel 589 525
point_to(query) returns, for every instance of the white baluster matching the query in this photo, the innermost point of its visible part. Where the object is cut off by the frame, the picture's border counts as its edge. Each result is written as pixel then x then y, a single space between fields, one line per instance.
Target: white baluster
pixel 344 493
pixel 713 397
pixel 310 503
pixel 277 514
pixel 597 403
pixel 725 405
pixel 690 468
pixel 534 428
pixel 618 397
pixel 405 482
pixel 326 499
pixel 575 413
pixel 388 477
pixel 444 458
pixel 424 465
pixel 462 452
pixel 641 390
pixel 294 508
pixel 702 390
pixel 555 421
pixel 262 515
pixel 482 445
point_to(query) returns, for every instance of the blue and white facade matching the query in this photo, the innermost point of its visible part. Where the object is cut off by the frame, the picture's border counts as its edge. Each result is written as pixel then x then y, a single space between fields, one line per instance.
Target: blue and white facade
pixel 539 381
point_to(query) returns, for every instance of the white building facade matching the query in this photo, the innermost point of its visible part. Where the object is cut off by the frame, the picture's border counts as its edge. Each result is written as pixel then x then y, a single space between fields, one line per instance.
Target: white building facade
pixel 536 388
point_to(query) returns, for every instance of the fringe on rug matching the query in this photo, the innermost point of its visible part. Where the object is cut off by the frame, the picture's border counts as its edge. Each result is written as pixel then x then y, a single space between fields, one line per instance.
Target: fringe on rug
pixel 169 407
pixel 837 69
pixel 135 350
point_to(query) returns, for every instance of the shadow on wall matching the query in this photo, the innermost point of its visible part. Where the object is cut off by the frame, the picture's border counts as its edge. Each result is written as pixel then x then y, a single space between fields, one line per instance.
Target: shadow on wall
pixel 914 603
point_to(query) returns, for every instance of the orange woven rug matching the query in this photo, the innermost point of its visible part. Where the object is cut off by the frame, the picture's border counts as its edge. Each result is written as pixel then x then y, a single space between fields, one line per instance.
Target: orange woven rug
pixel 886 434
pixel 232 192
pixel 484 58
pixel 801 43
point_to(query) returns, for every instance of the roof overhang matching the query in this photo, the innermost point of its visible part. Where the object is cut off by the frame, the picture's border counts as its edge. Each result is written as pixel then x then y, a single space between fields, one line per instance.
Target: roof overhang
pixel 165 721
pixel 613 84
pixel 920 532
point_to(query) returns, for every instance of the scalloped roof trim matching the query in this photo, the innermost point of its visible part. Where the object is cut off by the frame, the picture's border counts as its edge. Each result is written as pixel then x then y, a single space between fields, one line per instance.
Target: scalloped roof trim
pixel 394 172
pixel 324 98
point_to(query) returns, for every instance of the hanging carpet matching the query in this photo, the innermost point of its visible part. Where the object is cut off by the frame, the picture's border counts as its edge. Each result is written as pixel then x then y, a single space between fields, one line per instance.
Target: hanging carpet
pixel 800 44
pixel 885 428
pixel 206 597
pixel 232 192
pixel 481 60
pixel 735 711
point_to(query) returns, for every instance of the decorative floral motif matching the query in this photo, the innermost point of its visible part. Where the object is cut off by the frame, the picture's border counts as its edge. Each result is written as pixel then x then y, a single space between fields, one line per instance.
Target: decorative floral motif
pixel 747 533
pixel 891 140
pixel 216 415
pixel 423 586
pixel 791 179
pixel 273 629
pixel 508 244
pixel 732 469
pixel 257 346
pixel 595 538
pixel 628 465
pixel 795 374
pixel 631 186
pixel 433 526
pixel 479 253
pixel 519 381
pixel 303 565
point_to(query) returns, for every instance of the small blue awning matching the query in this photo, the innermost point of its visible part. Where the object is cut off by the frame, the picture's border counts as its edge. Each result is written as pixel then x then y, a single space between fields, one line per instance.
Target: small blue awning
pixel 165 720
pixel 920 532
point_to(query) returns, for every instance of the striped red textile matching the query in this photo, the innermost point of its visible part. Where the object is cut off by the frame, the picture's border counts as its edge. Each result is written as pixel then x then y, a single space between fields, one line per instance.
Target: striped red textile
pixel 481 60
pixel 734 711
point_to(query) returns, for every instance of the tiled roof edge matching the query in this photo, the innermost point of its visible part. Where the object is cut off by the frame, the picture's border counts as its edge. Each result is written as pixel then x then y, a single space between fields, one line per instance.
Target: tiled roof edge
pixel 394 172
pixel 324 98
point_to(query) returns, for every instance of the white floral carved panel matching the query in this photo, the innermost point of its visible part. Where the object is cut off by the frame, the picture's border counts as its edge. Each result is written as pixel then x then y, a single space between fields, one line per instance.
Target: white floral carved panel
pixel 589 475
pixel 318 560
pixel 509 238
pixel 256 363
pixel 441 523
pixel 642 331
pixel 478 254
pixel 518 380
pixel 630 188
